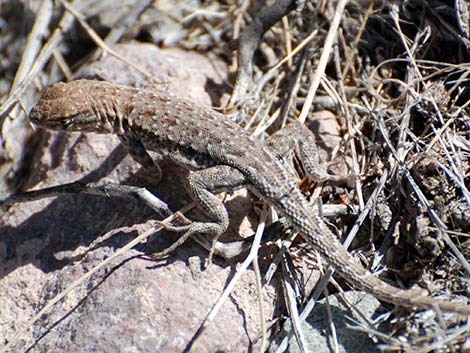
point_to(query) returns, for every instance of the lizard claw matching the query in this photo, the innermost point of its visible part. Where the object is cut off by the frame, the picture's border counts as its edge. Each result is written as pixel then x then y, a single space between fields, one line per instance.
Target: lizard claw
pixel 190 229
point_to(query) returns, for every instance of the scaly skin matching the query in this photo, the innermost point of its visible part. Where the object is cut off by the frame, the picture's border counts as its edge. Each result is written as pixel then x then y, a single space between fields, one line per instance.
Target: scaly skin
pixel 204 140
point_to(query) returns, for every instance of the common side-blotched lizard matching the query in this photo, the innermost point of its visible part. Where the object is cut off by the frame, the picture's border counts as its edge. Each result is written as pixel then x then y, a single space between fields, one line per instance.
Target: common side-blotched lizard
pixel 222 155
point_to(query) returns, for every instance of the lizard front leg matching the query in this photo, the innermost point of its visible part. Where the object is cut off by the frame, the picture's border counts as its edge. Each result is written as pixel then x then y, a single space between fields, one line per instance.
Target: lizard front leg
pixel 138 152
pixel 202 186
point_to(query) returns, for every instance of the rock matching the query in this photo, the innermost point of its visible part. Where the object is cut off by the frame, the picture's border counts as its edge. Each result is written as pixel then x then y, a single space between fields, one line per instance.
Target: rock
pixel 133 305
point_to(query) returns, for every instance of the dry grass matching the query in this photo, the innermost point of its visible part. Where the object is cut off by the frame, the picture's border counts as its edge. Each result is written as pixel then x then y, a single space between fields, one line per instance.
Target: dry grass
pixel 395 76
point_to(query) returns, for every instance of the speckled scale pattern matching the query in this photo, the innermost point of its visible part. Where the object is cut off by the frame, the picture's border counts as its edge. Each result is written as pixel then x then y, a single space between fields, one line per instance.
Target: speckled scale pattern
pixel 222 154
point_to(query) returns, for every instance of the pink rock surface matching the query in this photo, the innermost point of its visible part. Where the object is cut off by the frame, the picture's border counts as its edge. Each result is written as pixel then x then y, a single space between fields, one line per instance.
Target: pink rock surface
pixel 134 304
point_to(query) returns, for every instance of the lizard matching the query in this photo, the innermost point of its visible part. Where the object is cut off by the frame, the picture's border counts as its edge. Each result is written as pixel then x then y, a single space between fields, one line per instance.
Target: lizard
pixel 221 156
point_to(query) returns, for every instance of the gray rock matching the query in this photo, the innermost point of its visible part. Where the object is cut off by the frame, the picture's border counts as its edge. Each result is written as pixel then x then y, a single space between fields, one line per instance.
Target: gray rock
pixel 318 332
pixel 133 305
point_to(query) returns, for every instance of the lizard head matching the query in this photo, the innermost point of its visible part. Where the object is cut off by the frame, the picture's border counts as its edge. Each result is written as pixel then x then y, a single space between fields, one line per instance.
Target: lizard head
pixel 70 107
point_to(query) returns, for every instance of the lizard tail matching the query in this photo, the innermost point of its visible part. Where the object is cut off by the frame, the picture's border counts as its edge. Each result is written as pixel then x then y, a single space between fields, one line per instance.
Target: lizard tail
pixel 314 231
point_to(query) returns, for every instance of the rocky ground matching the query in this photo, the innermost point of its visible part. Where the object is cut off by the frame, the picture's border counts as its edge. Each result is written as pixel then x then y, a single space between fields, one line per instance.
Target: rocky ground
pixel 392 108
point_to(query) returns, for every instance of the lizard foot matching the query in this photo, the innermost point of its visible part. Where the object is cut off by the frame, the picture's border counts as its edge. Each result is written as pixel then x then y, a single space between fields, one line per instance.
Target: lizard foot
pixel 213 229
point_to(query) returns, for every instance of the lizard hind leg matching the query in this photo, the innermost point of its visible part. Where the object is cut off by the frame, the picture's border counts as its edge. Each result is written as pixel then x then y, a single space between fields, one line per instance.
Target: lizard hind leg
pixel 296 138
pixel 202 185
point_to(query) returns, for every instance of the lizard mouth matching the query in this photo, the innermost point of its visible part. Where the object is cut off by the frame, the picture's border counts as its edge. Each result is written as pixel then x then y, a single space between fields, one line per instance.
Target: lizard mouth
pixel 79 122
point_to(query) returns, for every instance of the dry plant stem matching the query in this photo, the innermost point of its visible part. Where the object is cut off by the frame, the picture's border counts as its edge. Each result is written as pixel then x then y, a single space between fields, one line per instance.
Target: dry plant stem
pixel 413 63
pixel 99 42
pixel 273 71
pixel 44 55
pixel 259 290
pixel 248 42
pixel 457 180
pixel 299 70
pixel 122 26
pixel 288 40
pixel 240 11
pixel 331 323
pixel 225 250
pixel 192 346
pixel 438 134
pixel 329 272
pixel 433 343
pixel 350 124
pixel 448 340
pixel 262 315
pixel 292 91
pixel 389 341
pixel 456 170
pixel 330 38
pixel 456 166
pixel 141 194
pixel 406 115
pixel 262 114
pixel 292 309
pixel 64 67
pixel 349 305
pixel 355 44
pixel 422 198
pixel 272 119
pixel 266 119
pixel 33 43
pixel 85 277
pixel 283 246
